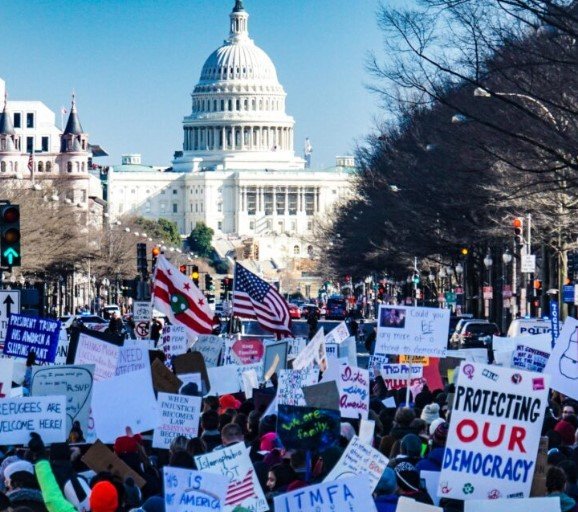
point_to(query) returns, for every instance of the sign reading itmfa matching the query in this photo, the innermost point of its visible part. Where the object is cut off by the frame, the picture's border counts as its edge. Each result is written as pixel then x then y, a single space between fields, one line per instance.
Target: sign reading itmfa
pixel 9 304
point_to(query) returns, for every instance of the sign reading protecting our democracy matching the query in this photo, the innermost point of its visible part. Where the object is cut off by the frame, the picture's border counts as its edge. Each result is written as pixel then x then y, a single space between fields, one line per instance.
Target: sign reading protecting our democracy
pixel 357 459
pixel 72 381
pixel 353 392
pixel 234 463
pixel 187 490
pixel 562 364
pixel 289 390
pixel 104 356
pixel 32 334
pixel 494 434
pixel 347 494
pixel 178 415
pixel 20 416
pixel 307 428
pixel 413 331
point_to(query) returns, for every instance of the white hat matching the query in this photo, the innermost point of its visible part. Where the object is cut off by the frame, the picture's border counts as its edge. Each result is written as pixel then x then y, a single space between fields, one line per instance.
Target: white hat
pixel 77 492
pixel 430 413
pixel 15 467
pixel 434 425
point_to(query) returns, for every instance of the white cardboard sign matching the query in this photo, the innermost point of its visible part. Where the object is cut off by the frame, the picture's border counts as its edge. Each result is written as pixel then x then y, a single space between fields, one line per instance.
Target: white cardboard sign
pixel 187 490
pixel 210 346
pixel 338 335
pixel 178 415
pixel 412 331
pixel 103 355
pixel 562 364
pixel 291 382
pixel 494 432
pixel 353 386
pixel 518 505
pixel 408 505
pixel 313 351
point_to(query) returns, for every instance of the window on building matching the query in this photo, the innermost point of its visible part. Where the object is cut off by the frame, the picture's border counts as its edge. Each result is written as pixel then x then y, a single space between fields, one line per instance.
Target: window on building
pixel 133 191
pixel 45 144
pixel 148 206
pixel 30 120
pixel 40 166
pixel 29 144
pixel 251 201
pixel 69 166
pixel 252 225
pixel 281 226
pixel 309 225
pixel 175 208
pixel 292 200
pixel 162 191
pixel 293 225
pixel 296 250
pixel 220 207
pixel 17 120
pixel 2 166
pixel 310 250
pixel 120 207
pixel 48 166
pixel 83 196
pixel 280 200
pixel 163 207
pixel 268 199
pixel 220 226
pixel 309 201
pixel 174 191
pixel 191 205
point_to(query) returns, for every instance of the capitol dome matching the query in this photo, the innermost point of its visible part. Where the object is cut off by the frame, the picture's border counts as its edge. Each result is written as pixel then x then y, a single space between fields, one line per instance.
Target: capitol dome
pixel 238 107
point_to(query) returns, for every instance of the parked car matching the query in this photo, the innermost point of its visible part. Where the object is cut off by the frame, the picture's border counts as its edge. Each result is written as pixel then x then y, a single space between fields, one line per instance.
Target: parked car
pixel 294 311
pixel 94 322
pixel 306 309
pixel 455 336
pixel 108 310
pixel 336 309
pixel 477 334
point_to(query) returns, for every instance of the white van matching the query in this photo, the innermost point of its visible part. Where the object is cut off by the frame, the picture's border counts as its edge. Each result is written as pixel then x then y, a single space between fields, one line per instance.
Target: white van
pixel 528 326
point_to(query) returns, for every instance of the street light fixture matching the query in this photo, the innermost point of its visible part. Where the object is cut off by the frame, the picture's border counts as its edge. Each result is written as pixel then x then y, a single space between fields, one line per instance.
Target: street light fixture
pixel 431 276
pixel 507 257
pixel 488 261
pixel 459 269
pixel 450 271
pixel 442 273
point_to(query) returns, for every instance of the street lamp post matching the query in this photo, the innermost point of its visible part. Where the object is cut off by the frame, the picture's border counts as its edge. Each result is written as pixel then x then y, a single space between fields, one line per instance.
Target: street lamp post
pixel 506 260
pixel 488 263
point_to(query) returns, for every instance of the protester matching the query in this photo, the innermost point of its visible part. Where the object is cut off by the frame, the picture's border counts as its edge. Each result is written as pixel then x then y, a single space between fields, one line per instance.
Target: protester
pixel 555 483
pixel 385 496
pixel 408 483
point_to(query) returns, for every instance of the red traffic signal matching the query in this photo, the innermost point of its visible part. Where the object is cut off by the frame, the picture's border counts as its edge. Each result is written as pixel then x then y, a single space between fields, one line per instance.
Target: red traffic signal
pixel 183 269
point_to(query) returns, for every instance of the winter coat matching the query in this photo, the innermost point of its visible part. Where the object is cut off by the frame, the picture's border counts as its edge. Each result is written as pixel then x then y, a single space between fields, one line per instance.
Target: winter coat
pixel 51 493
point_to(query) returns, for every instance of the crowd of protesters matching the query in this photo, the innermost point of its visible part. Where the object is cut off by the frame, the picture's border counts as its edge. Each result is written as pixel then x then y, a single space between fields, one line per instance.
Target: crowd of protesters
pixel 39 478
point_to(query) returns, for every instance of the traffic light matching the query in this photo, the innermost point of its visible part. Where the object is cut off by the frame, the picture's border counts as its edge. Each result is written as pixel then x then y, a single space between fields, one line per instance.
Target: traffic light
pixel 195 275
pixel 10 236
pixel 141 259
pixel 464 251
pixel 518 224
pixel 155 254
pixel 209 282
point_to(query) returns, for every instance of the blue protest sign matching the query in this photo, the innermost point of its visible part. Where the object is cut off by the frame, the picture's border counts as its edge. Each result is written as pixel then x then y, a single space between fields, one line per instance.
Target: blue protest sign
pixel 555 319
pixel 32 333
pixel 307 428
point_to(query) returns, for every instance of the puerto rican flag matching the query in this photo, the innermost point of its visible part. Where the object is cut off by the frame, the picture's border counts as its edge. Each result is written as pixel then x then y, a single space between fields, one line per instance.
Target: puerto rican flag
pixel 176 296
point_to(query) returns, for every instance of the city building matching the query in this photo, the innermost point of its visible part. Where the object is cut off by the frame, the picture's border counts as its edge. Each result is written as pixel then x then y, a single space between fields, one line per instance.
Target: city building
pixel 237 171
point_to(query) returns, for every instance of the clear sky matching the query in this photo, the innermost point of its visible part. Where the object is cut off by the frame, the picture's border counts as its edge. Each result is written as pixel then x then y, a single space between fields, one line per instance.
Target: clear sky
pixel 134 63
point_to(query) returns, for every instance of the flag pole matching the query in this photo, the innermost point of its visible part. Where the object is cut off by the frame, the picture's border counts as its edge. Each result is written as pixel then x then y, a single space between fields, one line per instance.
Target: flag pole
pixel 232 317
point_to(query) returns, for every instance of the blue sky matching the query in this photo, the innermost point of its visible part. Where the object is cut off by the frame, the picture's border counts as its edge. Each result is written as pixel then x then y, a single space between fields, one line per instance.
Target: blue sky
pixel 134 63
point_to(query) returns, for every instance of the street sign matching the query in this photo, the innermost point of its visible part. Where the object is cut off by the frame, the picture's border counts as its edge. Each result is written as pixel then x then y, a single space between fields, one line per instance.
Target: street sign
pixel 507 291
pixel 528 263
pixel 9 303
pixel 451 297
pixel 488 292
pixel 142 330
pixel 568 293
pixel 142 311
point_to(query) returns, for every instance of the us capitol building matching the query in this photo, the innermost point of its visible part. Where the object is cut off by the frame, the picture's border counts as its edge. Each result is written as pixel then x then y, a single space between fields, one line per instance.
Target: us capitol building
pixel 237 171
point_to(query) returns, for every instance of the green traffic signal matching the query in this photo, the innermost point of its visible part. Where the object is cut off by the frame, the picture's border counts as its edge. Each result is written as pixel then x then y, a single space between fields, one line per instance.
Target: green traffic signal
pixel 10 255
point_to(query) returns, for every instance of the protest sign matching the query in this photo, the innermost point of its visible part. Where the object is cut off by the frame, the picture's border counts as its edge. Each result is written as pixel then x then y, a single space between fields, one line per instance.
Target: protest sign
pixel 273 350
pixel 163 379
pixel 192 362
pixel 376 361
pixel 389 403
pixel 414 331
pixel 177 415
pixel 72 381
pixel 348 350
pixel 358 459
pixel 256 367
pixel 250 381
pixel 531 359
pixel 62 347
pixel 224 379
pixel 353 392
pixel 248 350
pixel 191 378
pixel 45 415
pixel 103 355
pixel 294 346
pixel 332 350
pixel 6 373
pixel 520 505
pixel 562 364
pixel 32 333
pixel 124 401
pixel 272 369
pixel 307 428
pixel 210 346
pixel 409 505
pixel 234 463
pixel 432 482
pixel 338 334
pixel 100 458
pixel 401 371
pixel 187 490
pixel 494 432
pixel 174 341
pixel 347 494
pixel 310 352
pixel 539 480
pixel 423 360
pixel 132 357
pixel 290 382
pixel 366 431
pixel 324 395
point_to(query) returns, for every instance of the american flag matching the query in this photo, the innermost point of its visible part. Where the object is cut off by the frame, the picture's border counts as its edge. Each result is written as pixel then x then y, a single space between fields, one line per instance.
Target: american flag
pixel 239 491
pixel 175 295
pixel 255 298
pixel 31 162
